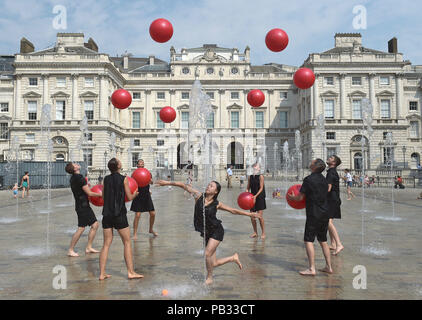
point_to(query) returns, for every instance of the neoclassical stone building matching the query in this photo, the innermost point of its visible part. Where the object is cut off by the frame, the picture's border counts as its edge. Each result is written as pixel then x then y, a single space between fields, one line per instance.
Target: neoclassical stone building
pixel 77 80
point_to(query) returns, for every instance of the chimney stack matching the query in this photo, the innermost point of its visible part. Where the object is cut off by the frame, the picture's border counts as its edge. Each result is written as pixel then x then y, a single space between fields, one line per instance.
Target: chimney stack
pixel 26 46
pixel 151 60
pixel 392 46
pixel 125 61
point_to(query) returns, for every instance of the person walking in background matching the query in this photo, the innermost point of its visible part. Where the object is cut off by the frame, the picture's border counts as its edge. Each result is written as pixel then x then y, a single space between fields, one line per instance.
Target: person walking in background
pixel 25 184
pixel 349 181
pixel 229 177
pixel 15 190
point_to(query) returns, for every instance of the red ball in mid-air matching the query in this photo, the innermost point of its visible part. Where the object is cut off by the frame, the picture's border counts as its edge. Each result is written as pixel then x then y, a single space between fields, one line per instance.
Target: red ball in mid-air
pixel 304 78
pixel 167 114
pixel 142 176
pixel 246 200
pixel 277 40
pixel 256 98
pixel 295 204
pixel 161 30
pixel 121 99
pixel 97 201
pixel 133 186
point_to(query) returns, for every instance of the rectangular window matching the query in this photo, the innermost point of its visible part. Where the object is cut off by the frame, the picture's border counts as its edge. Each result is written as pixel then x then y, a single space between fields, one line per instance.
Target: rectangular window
pixel 357 109
pixel 89 82
pixel 388 153
pixel 284 123
pixel 385 109
pixel 235 119
pixel 331 135
pixel 329 81
pixel 136 143
pixel 384 135
pixel 160 124
pixel 88 157
pixel 33 82
pixel 329 109
pixel 60 110
pixel 259 120
pixel 30 138
pixel 185 120
pixel 89 109
pixel 4 107
pixel 161 95
pixel 185 95
pixel 211 95
pixel 414 129
pixel 356 81
pixel 283 94
pixel 4 131
pixel 160 143
pixel 135 157
pixel 88 136
pixel 210 121
pixel 384 80
pixel 234 95
pixel 413 105
pixel 136 96
pixel 61 82
pixel 160 160
pixel 136 120
pixel 32 110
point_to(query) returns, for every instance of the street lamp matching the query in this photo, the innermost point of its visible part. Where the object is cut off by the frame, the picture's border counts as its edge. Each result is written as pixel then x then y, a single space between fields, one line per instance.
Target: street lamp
pixel 105 159
pixel 403 149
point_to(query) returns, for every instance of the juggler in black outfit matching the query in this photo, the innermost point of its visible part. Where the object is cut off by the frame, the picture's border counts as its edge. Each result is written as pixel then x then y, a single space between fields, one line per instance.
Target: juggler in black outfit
pixel 114 210
pixel 213 227
pixel 255 183
pixel 86 216
pixel 334 200
pixel 143 202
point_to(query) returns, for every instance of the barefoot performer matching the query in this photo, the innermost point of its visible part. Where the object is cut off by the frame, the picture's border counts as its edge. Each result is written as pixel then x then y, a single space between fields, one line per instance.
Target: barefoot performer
pixel 315 188
pixel 334 202
pixel 257 187
pixel 143 203
pixel 115 188
pixel 86 216
pixel 214 231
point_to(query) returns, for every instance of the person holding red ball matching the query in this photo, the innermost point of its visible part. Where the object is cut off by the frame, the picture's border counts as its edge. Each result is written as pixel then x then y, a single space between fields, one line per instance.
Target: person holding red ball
pixel 315 189
pixel 86 216
pixel 214 231
pixel 257 187
pixel 116 187
pixel 143 203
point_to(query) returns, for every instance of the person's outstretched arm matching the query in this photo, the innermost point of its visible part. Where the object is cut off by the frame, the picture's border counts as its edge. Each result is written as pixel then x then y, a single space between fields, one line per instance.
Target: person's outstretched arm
pixel 224 207
pixel 196 194
pixel 89 193
pixel 130 195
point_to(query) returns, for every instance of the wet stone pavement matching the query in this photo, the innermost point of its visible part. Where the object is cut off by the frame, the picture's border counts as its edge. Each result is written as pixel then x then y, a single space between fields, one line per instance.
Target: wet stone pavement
pixel 174 260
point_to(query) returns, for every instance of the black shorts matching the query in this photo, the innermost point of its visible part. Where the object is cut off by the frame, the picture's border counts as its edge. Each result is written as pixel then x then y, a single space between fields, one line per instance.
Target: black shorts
pixel 86 217
pixel 119 222
pixel 316 228
pixel 215 233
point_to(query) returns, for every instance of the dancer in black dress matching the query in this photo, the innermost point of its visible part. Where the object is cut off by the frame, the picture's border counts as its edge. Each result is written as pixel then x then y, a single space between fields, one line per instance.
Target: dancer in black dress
pixel 143 203
pixel 214 231
pixel 334 202
pixel 257 187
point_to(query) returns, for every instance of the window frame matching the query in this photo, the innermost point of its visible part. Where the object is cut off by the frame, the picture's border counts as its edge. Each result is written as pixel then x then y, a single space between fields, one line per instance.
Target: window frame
pixel 232 119
pixel 2 105
pixel 138 113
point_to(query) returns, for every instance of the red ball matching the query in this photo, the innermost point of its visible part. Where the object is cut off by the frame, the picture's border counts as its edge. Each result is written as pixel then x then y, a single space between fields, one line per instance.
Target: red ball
pixel 256 98
pixel 142 176
pixel 121 99
pixel 97 201
pixel 161 30
pixel 133 186
pixel 167 114
pixel 304 78
pixel 246 200
pixel 276 40
pixel 295 204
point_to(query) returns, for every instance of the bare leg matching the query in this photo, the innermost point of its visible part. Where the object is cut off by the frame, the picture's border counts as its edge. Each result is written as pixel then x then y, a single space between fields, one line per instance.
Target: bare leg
pixel 210 258
pixel 135 225
pixel 23 192
pixel 91 236
pixel 108 239
pixel 125 235
pixel 234 258
pixel 75 238
pixel 151 223
pixel 326 251
pixel 332 238
pixel 255 231
pixel 334 234
pixel 310 252
pixel 261 222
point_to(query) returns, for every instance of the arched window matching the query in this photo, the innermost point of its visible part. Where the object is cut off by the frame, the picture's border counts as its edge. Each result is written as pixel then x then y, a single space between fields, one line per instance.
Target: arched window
pixel 357 161
pixel 59 157
pixel 416 159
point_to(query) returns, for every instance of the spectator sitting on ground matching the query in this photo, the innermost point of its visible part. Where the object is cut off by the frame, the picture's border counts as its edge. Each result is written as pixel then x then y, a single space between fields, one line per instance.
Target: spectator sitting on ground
pixel 399 182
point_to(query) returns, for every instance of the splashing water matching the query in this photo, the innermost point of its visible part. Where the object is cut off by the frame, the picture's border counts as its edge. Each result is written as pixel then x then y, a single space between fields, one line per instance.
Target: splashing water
pixel 286 160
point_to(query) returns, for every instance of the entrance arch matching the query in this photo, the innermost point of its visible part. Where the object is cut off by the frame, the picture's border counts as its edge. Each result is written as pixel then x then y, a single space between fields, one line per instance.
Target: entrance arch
pixel 235 155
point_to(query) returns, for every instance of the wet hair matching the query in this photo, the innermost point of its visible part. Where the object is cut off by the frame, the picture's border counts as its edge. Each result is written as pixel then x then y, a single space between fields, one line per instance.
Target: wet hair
pixel 140 160
pixel 218 190
pixel 69 168
pixel 337 160
pixel 113 165
pixel 26 172
pixel 346 170
pixel 319 165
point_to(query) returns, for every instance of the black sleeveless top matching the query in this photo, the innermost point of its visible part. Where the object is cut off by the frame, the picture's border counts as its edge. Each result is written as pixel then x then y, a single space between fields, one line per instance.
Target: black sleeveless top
pixel 255 184
pixel 211 221
pixel 114 195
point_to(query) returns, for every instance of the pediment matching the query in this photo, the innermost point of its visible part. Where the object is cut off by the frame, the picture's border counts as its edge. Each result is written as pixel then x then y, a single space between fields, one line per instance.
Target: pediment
pixel 357 93
pixel 329 93
pixel 385 93
pixel 60 94
pixel 31 94
pixel 413 116
pixel 234 106
pixel 183 107
pixel 4 117
pixel 88 94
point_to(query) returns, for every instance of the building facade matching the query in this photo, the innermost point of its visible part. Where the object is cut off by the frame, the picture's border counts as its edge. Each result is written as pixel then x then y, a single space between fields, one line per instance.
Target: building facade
pixel 78 81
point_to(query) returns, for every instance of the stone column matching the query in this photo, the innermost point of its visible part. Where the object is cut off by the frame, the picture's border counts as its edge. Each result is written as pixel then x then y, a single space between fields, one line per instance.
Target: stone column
pixel 220 93
pixel 18 106
pixel 372 97
pixel 342 95
pixel 399 94
pixel 74 96
pixel 103 97
pixel 147 95
pixel 172 93
pixel 316 110
pixel 270 92
pixel 45 99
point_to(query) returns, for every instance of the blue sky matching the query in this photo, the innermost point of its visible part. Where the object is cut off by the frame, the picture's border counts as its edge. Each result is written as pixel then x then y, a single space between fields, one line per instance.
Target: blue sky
pixel 117 26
